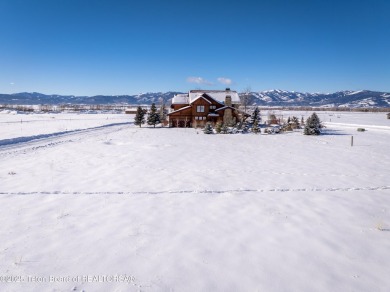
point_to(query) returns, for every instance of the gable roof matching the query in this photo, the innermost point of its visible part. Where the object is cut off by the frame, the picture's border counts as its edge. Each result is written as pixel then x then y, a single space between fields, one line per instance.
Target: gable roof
pixel 225 107
pixel 180 109
pixel 233 108
pixel 217 95
pixel 200 96
pixel 210 97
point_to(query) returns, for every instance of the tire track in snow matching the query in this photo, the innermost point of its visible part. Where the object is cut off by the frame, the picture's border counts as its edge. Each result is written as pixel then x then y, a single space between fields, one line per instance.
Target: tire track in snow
pixel 22 145
pixel 277 190
pixel 26 139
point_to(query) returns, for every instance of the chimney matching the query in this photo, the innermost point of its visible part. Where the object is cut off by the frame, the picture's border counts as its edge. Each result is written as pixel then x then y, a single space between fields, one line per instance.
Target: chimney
pixel 228 100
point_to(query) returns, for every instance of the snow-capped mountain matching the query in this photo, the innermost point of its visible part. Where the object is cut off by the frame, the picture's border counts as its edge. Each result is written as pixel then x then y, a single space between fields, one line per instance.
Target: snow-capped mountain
pixel 26 98
pixel 362 98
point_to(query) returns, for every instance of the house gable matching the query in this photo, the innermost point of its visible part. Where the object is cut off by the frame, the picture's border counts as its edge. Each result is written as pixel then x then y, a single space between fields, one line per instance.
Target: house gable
pixel 204 105
pixel 200 97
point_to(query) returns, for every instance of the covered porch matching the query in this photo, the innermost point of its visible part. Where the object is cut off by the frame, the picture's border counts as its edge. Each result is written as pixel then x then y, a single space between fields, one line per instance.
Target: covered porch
pixel 180 121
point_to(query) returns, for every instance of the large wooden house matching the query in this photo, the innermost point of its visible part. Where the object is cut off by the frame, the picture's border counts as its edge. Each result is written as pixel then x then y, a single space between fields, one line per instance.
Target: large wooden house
pixel 198 107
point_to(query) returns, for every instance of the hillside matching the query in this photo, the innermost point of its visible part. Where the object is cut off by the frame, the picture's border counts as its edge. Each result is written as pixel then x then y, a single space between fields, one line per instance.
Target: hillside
pixel 363 98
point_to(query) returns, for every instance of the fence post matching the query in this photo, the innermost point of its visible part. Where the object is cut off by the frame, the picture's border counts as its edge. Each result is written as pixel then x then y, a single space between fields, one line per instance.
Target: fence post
pixel 351 141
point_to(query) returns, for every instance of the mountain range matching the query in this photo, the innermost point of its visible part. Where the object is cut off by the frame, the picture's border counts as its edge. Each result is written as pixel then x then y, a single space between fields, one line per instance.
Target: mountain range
pixel 361 99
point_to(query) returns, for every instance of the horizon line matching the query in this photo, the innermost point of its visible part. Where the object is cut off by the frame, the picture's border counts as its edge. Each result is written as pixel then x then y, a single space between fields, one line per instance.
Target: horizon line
pixel 155 92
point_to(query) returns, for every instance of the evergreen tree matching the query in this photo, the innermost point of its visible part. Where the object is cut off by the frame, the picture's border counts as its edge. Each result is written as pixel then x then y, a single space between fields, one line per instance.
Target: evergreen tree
pixel 153 116
pixel 245 127
pixel 139 117
pixel 313 125
pixel 208 129
pixel 256 128
pixel 255 116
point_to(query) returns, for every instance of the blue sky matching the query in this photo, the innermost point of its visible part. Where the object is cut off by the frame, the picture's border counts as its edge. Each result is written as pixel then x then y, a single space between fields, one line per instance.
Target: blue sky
pixel 85 47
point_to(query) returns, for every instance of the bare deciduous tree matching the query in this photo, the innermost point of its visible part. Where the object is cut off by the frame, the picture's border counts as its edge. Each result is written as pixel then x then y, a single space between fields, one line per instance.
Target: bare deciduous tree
pixel 245 97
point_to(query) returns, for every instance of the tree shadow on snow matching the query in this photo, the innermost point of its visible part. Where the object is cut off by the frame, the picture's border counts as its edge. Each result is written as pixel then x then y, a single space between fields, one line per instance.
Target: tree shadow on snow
pixel 328 132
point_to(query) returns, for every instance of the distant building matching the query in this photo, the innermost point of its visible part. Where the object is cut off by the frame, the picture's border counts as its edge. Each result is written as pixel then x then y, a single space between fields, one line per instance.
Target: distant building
pixel 133 110
pixel 198 107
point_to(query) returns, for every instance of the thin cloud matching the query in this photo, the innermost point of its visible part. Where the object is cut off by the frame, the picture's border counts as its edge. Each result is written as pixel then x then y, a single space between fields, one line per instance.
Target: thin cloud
pixel 12 83
pixel 198 80
pixel 225 81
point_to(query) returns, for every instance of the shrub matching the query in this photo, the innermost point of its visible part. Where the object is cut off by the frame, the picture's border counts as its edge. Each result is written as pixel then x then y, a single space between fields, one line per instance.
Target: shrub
pixel 208 129
pixel 218 127
pixel 224 129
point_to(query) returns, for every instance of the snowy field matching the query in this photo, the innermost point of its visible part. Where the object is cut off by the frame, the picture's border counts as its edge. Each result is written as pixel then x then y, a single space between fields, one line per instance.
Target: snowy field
pixel 14 125
pixel 93 203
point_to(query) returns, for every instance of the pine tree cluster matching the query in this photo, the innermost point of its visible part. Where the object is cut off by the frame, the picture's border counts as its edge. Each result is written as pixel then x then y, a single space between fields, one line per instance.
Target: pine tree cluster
pixel 154 116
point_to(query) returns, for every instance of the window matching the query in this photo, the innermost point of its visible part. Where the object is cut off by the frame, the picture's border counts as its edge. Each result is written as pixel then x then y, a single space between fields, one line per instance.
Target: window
pixel 213 107
pixel 200 108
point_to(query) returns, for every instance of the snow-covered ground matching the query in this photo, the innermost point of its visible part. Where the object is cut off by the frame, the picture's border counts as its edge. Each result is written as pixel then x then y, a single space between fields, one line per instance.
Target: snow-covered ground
pixel 14 125
pixel 102 205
